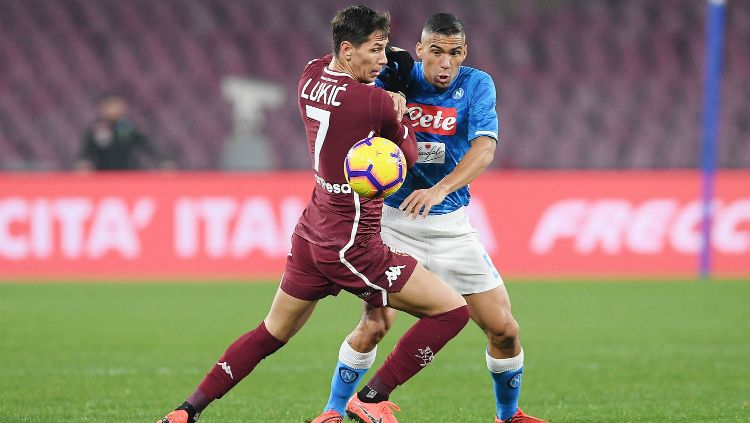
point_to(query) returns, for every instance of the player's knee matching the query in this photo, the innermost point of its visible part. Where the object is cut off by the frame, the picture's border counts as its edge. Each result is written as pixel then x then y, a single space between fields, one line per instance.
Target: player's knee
pixel 504 333
pixel 377 329
pixel 368 334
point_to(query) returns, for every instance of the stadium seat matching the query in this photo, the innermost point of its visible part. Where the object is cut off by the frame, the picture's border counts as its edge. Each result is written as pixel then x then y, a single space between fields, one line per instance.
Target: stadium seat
pixel 580 84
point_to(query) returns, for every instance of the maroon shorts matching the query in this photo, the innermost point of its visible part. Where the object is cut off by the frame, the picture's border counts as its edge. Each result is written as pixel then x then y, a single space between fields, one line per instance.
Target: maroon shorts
pixel 368 270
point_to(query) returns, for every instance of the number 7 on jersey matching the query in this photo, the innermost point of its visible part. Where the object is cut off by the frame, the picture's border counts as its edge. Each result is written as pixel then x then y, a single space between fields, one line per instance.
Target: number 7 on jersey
pixel 323 117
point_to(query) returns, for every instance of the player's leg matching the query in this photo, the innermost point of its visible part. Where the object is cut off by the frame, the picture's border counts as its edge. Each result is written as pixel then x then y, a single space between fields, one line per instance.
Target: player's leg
pixel 357 353
pixel 372 327
pixel 443 313
pixel 300 289
pixel 381 277
pixel 286 317
pixel 492 313
pixel 358 350
pixel 458 256
pixel 440 309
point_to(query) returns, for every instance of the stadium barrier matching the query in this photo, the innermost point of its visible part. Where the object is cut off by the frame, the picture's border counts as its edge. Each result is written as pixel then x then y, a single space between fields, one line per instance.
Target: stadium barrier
pixel 237 226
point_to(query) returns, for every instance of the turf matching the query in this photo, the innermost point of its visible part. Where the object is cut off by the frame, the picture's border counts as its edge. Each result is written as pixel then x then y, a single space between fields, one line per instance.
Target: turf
pixel 595 352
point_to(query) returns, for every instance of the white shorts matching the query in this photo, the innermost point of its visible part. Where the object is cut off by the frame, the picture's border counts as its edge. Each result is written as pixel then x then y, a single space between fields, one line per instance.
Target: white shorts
pixel 446 244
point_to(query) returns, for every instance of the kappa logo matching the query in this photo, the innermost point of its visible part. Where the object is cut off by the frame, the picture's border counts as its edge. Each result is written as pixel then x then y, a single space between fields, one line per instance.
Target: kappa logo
pixel 393 273
pixel 426 355
pixel 227 369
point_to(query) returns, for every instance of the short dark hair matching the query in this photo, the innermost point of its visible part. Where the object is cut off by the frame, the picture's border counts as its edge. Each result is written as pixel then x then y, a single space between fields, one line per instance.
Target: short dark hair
pixel 444 24
pixel 356 23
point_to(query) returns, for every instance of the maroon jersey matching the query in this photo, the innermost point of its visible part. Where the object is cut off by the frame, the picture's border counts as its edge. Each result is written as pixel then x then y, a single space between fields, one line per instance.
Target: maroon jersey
pixel 338 111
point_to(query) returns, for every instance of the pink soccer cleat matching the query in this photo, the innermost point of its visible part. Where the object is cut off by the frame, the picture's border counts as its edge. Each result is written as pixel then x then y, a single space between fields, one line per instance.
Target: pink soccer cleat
pixel 378 412
pixel 520 417
pixel 329 416
pixel 177 416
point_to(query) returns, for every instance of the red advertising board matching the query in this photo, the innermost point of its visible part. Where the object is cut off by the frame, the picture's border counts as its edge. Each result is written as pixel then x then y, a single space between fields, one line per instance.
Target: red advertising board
pixel 218 225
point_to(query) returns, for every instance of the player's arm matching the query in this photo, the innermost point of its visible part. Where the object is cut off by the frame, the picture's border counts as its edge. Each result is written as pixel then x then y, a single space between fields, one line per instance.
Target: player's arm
pixel 397 73
pixel 483 126
pixel 394 127
pixel 475 161
pixel 396 77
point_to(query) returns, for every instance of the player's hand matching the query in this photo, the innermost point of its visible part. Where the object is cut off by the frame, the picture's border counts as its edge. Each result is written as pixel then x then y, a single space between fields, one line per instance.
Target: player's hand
pixel 396 75
pixel 420 201
pixel 399 104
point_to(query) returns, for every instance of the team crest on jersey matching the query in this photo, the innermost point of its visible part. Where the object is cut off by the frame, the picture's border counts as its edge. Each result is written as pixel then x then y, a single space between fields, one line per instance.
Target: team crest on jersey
pixel 458 93
pixel 433 119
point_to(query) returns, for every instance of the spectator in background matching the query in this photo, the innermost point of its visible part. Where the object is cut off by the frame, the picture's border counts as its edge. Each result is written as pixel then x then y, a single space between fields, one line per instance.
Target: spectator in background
pixel 112 142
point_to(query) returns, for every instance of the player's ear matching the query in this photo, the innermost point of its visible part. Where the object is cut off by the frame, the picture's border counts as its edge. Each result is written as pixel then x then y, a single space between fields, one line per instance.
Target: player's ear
pixel 345 50
pixel 418 49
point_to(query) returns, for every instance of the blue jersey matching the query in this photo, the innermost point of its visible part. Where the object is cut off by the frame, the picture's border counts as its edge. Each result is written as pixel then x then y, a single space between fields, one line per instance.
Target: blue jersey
pixel 445 122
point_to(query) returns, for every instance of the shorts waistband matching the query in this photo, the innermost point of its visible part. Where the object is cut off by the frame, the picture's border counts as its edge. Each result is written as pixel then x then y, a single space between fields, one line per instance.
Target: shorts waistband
pixel 446 218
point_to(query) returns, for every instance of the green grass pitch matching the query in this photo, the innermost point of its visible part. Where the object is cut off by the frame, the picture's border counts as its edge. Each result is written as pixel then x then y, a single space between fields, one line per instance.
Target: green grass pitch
pixel 595 352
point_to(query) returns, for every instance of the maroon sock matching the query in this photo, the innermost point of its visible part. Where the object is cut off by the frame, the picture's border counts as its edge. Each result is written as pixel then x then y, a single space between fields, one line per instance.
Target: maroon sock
pixel 417 348
pixel 237 362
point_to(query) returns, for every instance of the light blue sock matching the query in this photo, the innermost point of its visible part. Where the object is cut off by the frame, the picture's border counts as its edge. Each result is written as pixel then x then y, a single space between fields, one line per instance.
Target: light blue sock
pixel 352 365
pixel 506 375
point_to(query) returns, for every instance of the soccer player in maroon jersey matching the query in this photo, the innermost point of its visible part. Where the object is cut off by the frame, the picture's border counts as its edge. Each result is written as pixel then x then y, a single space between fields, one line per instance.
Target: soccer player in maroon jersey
pixel 336 244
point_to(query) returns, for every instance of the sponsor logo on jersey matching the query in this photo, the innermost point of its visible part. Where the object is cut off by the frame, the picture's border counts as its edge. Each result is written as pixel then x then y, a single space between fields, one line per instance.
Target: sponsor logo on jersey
pixel 333 188
pixel 426 355
pixel 433 119
pixel 347 375
pixel 393 273
pixel 430 152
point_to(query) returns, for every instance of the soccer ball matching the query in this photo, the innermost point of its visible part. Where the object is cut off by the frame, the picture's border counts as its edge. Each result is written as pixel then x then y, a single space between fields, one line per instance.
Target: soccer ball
pixel 375 167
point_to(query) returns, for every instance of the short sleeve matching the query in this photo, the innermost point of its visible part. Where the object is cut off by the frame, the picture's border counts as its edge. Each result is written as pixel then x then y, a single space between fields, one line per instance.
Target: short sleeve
pixel 482 113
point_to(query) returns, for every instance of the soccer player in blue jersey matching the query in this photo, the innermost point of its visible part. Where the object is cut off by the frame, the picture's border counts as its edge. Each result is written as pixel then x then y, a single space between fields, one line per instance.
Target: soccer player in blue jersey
pixel 453 110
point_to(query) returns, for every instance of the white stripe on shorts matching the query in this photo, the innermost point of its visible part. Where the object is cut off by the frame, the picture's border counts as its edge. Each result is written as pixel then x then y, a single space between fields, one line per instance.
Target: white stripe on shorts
pixel 349 244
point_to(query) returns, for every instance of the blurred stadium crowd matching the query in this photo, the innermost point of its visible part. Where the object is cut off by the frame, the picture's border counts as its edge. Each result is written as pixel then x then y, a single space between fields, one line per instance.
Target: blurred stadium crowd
pixel 581 84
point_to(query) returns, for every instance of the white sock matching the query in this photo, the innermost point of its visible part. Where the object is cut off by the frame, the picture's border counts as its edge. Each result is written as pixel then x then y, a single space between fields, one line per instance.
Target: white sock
pixel 354 358
pixel 501 365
